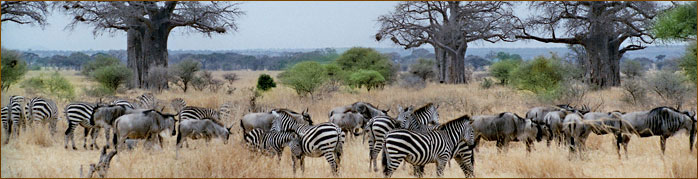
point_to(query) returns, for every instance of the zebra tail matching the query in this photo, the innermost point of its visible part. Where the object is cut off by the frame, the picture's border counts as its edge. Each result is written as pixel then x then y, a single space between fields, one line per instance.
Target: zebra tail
pixel 384 160
pixel 114 140
pixel 179 136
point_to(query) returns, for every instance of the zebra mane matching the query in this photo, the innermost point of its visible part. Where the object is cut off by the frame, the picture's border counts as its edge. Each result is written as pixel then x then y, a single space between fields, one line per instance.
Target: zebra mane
pixel 423 108
pixel 285 110
pixel 457 121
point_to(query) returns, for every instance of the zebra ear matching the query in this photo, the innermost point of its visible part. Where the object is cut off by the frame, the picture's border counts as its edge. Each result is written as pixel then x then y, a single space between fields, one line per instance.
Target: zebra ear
pixel 274 113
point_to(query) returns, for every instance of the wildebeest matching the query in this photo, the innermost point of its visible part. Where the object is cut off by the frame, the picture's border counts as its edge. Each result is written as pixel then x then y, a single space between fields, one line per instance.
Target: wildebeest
pixel 664 122
pixel 349 122
pixel 103 116
pixel 575 131
pixel 610 123
pixel 263 120
pixel 503 128
pixel 368 110
pixel 341 109
pixel 197 129
pixel 143 124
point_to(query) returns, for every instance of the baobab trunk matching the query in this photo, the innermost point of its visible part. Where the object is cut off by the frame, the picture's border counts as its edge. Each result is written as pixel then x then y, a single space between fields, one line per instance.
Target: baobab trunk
pixel 154 48
pixel 135 56
pixel 440 63
pixel 603 54
pixel 455 68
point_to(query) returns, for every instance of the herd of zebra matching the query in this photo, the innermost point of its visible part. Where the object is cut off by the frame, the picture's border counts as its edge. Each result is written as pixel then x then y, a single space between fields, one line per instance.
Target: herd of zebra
pixel 415 135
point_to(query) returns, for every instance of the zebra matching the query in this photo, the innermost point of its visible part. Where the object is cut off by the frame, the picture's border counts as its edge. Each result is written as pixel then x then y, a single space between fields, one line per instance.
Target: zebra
pixel 79 113
pixel 5 123
pixel 325 139
pixel 272 142
pixel 178 104
pixel 664 122
pixel 420 119
pixel 123 102
pixel 379 126
pixel 17 116
pixel 423 147
pixel 148 101
pixel 43 110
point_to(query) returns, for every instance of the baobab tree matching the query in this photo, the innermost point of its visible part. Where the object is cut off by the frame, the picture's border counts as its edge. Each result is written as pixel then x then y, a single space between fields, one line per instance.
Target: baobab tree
pixel 25 12
pixel 448 27
pixel 148 26
pixel 601 27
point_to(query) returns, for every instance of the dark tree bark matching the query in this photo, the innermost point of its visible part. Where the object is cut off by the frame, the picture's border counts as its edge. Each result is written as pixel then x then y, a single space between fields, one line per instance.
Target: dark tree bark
pixel 600 27
pixel 148 26
pixel 448 27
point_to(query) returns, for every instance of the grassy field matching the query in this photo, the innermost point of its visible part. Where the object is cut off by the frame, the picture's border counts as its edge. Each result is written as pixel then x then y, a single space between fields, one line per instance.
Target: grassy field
pixel 38 154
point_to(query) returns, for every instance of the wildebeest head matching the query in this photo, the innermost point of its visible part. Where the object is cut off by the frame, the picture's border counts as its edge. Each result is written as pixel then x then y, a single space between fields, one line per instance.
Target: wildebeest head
pixel 690 117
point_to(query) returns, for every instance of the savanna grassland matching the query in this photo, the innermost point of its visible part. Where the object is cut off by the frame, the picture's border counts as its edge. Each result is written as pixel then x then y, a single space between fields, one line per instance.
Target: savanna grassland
pixel 38 154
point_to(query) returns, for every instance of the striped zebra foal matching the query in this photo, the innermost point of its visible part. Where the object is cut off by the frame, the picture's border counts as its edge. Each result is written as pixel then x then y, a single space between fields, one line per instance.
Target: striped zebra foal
pixel 423 119
pixel 272 142
pixel 43 110
pixel 325 139
pixel 379 126
pixel 421 148
pixel 79 113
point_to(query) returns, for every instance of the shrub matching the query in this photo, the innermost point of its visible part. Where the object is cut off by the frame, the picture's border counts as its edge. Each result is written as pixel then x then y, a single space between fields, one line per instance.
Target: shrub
pixel 111 77
pixel 100 61
pixel 424 68
pixel 265 82
pixel 570 91
pixel 635 92
pixel 215 85
pixel 358 58
pixel 53 85
pixel 688 62
pixel 231 77
pixel 158 77
pixel 502 70
pixel 669 86
pixel 411 81
pixel 184 72
pixel 540 75
pixel 632 68
pixel 486 83
pixel 13 68
pixel 98 92
pixel 304 77
pixel 366 78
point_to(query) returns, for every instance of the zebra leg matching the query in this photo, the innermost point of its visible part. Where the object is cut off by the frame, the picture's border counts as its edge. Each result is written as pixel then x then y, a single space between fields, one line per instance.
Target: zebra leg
pixel 52 126
pixel 87 132
pixel 93 135
pixel 374 156
pixel 302 160
pixel 329 156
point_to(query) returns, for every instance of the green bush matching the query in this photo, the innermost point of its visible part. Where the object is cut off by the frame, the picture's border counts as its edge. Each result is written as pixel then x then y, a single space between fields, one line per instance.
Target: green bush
pixel 53 85
pixel 486 83
pixel 358 58
pixel 185 71
pixel 13 68
pixel 98 92
pixel 632 68
pixel 541 75
pixel 305 77
pixel 688 62
pixel 111 77
pixel 424 68
pixel 669 86
pixel 502 70
pixel 265 82
pixel 100 61
pixel 366 78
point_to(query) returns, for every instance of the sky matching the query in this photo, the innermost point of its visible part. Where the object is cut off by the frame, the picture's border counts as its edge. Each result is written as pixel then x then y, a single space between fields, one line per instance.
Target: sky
pixel 266 25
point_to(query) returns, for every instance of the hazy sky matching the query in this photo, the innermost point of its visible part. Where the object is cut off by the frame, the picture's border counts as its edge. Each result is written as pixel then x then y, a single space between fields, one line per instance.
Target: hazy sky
pixel 279 25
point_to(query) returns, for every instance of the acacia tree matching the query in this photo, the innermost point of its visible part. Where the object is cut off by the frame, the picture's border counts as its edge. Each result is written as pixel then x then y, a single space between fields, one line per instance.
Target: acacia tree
pixel 148 25
pixel 25 12
pixel 600 27
pixel 448 27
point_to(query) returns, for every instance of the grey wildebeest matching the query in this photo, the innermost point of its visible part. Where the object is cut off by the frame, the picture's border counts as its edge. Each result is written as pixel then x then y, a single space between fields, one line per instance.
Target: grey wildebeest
pixel 349 122
pixel 503 128
pixel 575 131
pixel 368 110
pixel 610 123
pixel 663 122
pixel 197 129
pixel 142 124
pixel 103 116
pixel 537 116
pixel 264 120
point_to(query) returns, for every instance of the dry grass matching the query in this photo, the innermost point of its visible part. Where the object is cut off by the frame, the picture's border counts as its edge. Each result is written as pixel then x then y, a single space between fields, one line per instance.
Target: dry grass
pixel 38 154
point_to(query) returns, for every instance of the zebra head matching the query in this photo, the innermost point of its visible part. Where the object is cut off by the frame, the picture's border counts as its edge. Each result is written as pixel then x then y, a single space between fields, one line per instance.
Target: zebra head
pixel 306 117
pixel 404 115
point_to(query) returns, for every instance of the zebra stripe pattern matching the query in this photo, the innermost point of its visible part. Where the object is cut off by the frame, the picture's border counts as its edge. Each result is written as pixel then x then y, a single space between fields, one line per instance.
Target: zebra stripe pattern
pixel 16 113
pixel 148 101
pixel 78 113
pixel 5 122
pixel 420 119
pixel 421 148
pixel 178 104
pixel 378 127
pixel 123 102
pixel 198 113
pixel 316 140
pixel 272 142
pixel 43 110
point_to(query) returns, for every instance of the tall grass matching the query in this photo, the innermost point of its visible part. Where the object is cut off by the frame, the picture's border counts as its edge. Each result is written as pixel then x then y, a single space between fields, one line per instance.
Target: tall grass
pixel 38 154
